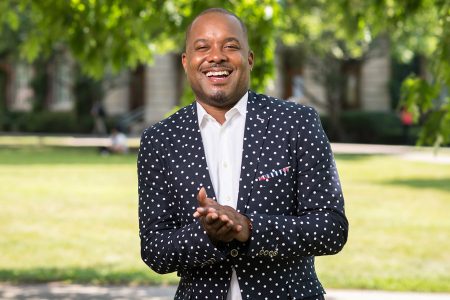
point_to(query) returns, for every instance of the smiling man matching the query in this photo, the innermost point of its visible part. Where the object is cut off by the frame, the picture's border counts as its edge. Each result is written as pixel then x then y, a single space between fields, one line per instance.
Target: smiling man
pixel 238 191
pixel 217 60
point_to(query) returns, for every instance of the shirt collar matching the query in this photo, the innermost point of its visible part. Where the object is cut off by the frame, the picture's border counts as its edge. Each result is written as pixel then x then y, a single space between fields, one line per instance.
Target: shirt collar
pixel 240 107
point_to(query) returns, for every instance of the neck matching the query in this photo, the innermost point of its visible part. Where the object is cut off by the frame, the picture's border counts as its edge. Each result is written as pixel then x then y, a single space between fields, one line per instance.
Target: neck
pixel 217 113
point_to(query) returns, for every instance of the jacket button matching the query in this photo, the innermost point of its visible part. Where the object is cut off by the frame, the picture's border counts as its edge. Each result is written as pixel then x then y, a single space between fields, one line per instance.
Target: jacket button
pixel 234 252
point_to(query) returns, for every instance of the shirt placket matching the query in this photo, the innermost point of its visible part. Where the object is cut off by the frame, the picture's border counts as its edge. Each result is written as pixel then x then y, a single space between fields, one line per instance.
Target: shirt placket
pixel 225 168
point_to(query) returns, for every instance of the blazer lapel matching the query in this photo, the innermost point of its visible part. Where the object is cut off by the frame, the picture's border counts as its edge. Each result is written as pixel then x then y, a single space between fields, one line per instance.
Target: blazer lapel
pixel 194 142
pixel 256 124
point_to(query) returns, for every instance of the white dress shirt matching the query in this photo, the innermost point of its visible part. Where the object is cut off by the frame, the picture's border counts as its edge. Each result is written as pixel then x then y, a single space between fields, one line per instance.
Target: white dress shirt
pixel 223 146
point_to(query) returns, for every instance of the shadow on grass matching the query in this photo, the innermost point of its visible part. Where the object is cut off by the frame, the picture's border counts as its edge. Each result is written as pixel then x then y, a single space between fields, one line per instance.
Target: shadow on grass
pixel 442 184
pixel 352 157
pixel 97 276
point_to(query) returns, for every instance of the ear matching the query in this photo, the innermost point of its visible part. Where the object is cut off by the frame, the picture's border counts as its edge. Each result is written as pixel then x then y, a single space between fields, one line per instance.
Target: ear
pixel 250 59
pixel 184 61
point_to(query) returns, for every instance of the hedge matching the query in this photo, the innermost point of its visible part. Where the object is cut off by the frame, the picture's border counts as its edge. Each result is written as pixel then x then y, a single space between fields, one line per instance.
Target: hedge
pixel 358 126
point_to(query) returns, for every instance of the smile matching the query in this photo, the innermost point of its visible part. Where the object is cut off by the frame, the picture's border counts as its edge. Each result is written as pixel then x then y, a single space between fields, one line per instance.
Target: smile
pixel 217 73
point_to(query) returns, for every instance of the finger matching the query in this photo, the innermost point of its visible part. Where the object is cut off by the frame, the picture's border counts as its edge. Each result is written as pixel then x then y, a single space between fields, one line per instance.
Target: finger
pixel 224 232
pixel 225 219
pixel 202 196
pixel 204 211
pixel 210 218
pixel 216 224
pixel 210 210
pixel 200 211
pixel 218 230
pixel 220 225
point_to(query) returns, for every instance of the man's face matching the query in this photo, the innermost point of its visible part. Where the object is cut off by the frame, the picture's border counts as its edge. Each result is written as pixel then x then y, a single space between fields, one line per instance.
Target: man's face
pixel 217 60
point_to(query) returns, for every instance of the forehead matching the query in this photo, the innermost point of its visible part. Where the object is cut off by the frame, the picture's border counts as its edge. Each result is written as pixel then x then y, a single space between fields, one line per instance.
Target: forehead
pixel 215 25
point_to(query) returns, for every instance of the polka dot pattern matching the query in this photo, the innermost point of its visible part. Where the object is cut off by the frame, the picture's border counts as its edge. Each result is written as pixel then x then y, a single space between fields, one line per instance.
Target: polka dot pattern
pixel 289 188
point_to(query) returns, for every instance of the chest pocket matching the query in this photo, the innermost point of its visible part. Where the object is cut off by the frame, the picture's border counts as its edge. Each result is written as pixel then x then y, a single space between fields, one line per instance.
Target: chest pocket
pixel 279 178
pixel 275 193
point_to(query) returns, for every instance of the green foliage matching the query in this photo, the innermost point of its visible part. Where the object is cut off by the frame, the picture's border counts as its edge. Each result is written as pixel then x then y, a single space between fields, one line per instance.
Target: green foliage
pixel 40 85
pixel 112 35
pixel 106 35
pixel 423 100
pixel 87 91
pixel 344 29
pixel 436 130
pixel 399 72
pixel 418 95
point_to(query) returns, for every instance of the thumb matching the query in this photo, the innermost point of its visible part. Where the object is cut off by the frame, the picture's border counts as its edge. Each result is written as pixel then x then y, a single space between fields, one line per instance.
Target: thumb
pixel 202 196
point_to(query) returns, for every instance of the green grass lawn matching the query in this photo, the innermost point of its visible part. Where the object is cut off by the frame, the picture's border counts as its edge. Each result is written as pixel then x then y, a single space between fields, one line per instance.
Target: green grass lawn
pixel 71 215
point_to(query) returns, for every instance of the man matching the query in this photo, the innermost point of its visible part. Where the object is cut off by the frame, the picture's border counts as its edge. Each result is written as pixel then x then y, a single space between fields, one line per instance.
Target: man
pixel 238 191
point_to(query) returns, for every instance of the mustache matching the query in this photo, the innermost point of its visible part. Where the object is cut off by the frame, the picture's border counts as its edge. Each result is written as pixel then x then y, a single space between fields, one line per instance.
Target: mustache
pixel 224 65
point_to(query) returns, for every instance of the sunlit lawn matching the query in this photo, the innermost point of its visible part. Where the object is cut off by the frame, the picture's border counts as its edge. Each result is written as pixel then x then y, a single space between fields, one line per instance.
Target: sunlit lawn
pixel 71 215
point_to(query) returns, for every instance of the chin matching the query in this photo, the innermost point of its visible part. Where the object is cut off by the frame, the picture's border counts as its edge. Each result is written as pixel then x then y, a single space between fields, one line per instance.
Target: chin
pixel 219 99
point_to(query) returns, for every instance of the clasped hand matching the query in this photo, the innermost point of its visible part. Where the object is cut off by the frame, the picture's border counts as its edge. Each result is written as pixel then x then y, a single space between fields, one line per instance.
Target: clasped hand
pixel 222 223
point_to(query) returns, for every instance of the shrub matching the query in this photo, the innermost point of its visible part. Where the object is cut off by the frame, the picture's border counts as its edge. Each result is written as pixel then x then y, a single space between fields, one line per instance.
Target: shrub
pixel 48 122
pixel 373 128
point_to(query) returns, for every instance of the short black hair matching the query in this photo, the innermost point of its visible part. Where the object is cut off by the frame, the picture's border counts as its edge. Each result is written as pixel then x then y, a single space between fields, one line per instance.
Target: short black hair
pixel 216 10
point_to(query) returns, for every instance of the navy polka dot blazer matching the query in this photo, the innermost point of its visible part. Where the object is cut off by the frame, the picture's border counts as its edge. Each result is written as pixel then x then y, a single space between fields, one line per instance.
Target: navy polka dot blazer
pixel 289 188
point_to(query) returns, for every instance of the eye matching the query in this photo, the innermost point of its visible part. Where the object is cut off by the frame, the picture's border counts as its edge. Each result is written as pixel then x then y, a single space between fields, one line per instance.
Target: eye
pixel 232 46
pixel 201 47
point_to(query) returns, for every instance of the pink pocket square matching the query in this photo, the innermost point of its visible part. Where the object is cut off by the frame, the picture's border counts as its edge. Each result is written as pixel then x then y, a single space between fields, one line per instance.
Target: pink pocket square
pixel 275 173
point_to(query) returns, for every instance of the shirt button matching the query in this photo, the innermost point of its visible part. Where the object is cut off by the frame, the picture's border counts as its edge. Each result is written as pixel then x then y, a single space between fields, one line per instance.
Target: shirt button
pixel 234 253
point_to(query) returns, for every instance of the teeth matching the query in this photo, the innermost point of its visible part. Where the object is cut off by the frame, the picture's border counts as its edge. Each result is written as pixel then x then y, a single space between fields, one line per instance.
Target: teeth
pixel 219 73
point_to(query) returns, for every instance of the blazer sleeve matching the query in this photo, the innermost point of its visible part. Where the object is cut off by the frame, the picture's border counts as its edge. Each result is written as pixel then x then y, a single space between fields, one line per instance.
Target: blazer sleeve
pixel 166 245
pixel 319 226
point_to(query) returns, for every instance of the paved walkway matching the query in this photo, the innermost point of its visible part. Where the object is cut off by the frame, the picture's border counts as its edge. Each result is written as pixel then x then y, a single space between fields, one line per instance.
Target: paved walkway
pixel 425 154
pixel 87 292
pixel 7 139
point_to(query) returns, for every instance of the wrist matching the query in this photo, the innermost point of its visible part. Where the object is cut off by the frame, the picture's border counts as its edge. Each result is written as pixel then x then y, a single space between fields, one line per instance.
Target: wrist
pixel 250 227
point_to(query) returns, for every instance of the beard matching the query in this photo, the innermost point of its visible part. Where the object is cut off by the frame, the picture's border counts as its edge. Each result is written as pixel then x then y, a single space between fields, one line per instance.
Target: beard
pixel 218 99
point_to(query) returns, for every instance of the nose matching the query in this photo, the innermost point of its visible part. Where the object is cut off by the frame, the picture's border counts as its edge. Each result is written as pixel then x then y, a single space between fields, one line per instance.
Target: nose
pixel 216 55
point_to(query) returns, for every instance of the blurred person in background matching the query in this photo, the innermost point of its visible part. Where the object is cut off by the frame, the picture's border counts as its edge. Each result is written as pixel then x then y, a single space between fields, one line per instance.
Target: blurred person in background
pixel 98 114
pixel 118 143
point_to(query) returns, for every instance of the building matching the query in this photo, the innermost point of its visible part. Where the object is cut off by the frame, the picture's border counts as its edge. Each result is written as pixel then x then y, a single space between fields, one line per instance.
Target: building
pixel 145 95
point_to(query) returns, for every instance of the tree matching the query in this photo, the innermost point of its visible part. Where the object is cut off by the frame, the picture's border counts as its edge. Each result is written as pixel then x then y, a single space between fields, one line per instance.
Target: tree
pixel 115 34
pixel 415 27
